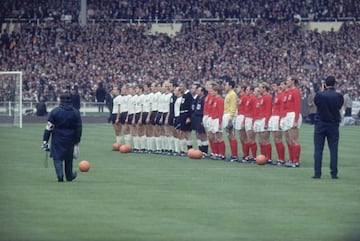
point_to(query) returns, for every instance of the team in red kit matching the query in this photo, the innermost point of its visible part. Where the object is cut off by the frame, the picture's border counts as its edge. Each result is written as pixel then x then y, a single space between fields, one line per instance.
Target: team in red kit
pixel 160 117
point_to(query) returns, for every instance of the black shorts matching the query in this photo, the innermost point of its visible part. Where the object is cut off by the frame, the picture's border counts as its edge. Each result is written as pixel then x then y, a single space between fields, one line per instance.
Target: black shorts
pixel 196 124
pixel 113 118
pixel 171 120
pixel 164 115
pixel 153 117
pixel 183 125
pixel 144 117
pixel 123 116
pixel 159 120
pixel 130 118
pixel 137 118
pixel 177 123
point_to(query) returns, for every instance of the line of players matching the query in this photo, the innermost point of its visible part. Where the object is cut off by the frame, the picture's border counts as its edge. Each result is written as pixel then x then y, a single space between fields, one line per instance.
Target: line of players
pixel 158 118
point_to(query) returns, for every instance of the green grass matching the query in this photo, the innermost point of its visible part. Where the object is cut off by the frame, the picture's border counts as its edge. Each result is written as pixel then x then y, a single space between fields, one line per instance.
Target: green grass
pixel 153 197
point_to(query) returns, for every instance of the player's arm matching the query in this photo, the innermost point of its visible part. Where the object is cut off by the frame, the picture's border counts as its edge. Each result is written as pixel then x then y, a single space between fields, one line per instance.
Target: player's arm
pixel 118 114
pixel 46 136
pixel 297 106
pixel 268 108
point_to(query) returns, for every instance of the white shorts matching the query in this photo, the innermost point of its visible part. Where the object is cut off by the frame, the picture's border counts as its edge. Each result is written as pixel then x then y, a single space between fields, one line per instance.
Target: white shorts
pixel 274 123
pixel 225 121
pixel 287 122
pixel 259 125
pixel 248 124
pixel 239 122
pixel 215 126
pixel 205 121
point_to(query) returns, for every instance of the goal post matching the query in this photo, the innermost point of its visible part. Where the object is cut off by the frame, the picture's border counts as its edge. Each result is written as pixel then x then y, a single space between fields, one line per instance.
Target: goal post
pixel 11 107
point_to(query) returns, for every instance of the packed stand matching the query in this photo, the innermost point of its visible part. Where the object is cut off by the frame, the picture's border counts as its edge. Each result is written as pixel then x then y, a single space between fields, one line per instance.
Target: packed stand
pixel 178 9
pixel 53 55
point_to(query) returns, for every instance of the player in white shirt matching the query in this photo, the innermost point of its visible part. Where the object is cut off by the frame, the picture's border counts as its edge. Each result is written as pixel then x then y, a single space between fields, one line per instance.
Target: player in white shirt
pixel 129 109
pixel 180 144
pixel 114 115
pixel 146 137
pixel 136 126
pixel 157 90
pixel 165 108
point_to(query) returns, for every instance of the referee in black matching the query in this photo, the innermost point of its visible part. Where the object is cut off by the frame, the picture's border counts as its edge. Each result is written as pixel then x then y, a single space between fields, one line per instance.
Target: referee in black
pixel 327 120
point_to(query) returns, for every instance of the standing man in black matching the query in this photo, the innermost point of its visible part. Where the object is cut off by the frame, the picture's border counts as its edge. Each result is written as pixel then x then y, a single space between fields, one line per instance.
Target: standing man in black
pixel 100 97
pixel 75 97
pixel 327 120
pixel 65 127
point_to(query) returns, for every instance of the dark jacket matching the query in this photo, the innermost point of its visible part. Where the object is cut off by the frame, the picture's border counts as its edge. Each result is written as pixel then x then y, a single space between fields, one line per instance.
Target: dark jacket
pixel 66 132
pixel 328 103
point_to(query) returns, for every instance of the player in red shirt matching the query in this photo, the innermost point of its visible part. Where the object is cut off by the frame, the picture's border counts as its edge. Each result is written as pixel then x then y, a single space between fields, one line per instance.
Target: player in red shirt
pixel 216 114
pixel 262 116
pixel 249 112
pixel 292 121
pixel 274 122
pixel 240 120
pixel 207 117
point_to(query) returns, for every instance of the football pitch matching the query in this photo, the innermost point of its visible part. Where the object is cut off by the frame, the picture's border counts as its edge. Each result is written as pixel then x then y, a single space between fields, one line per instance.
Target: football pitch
pixel 156 197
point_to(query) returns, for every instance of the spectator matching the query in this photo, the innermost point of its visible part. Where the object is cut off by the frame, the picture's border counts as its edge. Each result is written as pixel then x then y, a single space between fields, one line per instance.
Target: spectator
pixel 100 97
pixel 41 109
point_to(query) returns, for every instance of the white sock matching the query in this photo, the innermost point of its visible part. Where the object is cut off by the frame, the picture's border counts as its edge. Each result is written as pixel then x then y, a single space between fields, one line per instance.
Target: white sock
pixel 199 143
pixel 118 139
pixel 128 139
pixel 184 145
pixel 177 145
pixel 143 142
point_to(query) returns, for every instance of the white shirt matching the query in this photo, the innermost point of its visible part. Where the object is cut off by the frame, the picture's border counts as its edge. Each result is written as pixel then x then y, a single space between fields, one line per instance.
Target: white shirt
pixel 139 101
pixel 116 102
pixel 132 104
pixel 125 103
pixel 177 107
pixel 147 102
pixel 165 102
pixel 155 101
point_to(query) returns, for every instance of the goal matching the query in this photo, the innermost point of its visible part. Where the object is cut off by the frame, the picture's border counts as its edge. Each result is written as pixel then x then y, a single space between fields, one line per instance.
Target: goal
pixel 11 98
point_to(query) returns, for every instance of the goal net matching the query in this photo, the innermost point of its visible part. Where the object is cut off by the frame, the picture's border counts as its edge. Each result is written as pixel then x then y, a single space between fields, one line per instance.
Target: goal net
pixel 11 98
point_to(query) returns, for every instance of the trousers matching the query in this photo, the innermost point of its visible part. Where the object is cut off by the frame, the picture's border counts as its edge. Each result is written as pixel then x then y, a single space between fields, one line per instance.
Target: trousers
pixel 329 131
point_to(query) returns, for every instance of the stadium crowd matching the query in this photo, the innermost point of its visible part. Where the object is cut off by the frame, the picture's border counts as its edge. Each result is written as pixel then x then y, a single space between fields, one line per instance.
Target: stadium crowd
pixel 54 54
pixel 178 9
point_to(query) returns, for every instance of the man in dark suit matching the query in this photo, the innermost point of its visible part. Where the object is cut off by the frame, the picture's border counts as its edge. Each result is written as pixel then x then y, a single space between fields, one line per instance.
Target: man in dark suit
pixel 65 127
pixel 327 120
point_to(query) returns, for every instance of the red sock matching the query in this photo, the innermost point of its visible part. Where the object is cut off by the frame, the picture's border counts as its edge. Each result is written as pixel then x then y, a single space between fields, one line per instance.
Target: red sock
pixel 221 146
pixel 297 150
pixel 253 148
pixel 234 147
pixel 280 149
pixel 245 149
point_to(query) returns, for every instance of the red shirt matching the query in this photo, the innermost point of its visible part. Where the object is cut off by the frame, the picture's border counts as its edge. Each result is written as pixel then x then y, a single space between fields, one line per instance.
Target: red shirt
pixel 241 104
pixel 292 102
pixel 277 107
pixel 207 104
pixel 217 111
pixel 250 104
pixel 264 107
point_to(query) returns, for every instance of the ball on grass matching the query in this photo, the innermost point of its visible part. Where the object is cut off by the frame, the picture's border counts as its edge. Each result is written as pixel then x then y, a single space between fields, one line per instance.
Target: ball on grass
pixel 84 166
pixel 261 159
pixel 194 154
pixel 116 147
pixel 125 148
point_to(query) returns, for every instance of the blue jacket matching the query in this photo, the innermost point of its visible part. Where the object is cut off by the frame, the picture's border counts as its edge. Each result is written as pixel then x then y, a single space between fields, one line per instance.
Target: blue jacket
pixel 66 132
pixel 329 103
